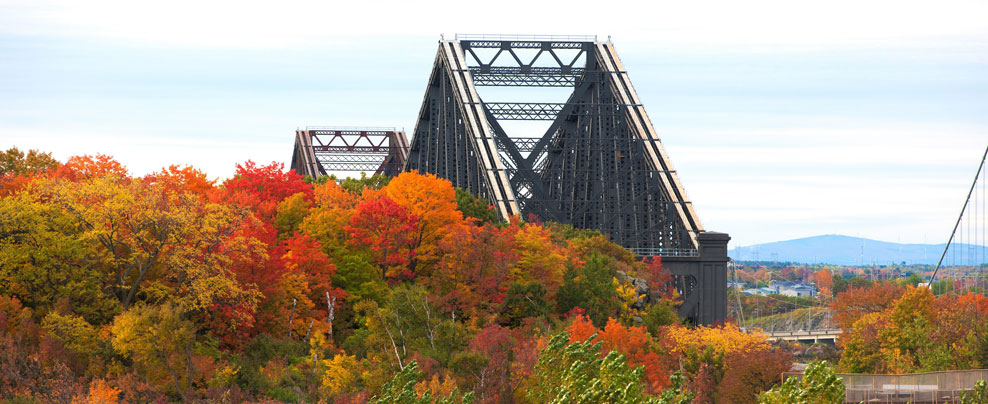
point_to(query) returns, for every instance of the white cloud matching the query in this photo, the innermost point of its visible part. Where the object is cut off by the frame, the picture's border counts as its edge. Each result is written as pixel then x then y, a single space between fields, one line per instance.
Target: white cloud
pixel 250 24
pixel 811 171
pixel 143 154
pixel 885 181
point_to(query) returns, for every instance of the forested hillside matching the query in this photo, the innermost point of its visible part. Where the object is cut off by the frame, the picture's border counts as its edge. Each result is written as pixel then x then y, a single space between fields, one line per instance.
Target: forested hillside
pixel 266 287
pixel 269 287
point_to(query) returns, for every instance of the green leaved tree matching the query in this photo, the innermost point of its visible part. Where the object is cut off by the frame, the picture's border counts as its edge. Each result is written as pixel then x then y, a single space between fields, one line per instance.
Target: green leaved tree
pixel 819 385
pixel 576 373
pixel 979 395
pixel 401 390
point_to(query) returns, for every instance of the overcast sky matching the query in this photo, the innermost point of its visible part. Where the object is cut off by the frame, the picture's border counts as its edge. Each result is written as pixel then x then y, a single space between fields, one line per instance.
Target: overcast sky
pixel 785 119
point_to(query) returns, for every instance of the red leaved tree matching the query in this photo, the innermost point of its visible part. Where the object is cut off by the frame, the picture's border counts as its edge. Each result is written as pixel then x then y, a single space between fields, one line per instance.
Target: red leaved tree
pixel 387 230
pixel 262 187
pixel 634 343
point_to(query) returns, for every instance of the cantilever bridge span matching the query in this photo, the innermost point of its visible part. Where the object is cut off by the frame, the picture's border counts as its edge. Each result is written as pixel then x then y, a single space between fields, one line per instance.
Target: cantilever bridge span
pixel 597 163
pixel 325 150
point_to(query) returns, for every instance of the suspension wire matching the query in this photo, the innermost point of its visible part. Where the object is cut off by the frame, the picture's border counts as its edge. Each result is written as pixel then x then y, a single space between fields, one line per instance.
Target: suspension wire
pixel 950 263
pixel 967 246
pixel 975 269
pixel 795 304
pixel 963 208
pixel 968 275
pixel 966 236
pixel 980 248
pixel 960 247
pixel 737 293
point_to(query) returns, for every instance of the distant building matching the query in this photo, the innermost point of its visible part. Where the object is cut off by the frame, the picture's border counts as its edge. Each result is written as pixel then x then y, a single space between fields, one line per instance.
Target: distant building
pixel 758 291
pixel 800 291
pixel 784 288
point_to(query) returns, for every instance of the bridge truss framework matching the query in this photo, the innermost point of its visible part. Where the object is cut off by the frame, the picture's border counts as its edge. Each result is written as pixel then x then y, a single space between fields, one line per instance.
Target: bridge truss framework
pixel 599 165
pixel 327 150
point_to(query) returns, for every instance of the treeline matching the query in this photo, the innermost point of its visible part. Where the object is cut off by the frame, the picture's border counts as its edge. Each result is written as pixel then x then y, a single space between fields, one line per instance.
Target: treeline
pixel 836 279
pixel 266 287
pixel 894 329
pixel 894 326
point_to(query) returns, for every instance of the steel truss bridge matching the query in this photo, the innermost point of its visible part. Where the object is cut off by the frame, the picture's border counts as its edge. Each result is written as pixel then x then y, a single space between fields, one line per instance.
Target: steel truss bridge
pixel 599 164
pixel 325 150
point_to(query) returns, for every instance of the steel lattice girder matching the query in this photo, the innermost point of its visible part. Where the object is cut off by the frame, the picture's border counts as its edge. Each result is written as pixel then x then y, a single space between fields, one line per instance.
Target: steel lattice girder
pixel 518 77
pixel 599 165
pixel 452 137
pixel 324 150
pixel 545 111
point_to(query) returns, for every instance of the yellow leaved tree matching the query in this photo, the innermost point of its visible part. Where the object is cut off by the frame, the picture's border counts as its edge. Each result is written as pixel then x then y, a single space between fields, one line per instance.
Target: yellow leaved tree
pixel 156 241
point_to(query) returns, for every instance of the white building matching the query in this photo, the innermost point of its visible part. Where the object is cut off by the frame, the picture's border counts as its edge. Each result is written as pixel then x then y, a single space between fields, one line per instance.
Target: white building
pixel 784 288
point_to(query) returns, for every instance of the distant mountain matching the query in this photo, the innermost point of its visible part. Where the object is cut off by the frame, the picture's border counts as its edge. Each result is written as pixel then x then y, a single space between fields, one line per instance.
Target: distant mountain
pixel 845 250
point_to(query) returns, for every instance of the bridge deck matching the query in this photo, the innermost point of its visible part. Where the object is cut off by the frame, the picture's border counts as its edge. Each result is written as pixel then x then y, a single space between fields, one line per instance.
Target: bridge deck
pixel 811 335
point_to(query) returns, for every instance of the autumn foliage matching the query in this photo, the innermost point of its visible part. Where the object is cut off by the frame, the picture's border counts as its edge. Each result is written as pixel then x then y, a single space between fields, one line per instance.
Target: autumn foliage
pixel 637 346
pixel 918 332
pixel 387 230
pixel 851 305
pixel 267 287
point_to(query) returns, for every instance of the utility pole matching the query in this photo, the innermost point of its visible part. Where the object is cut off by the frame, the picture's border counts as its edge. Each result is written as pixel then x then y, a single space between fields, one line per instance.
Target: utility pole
pixel 809 318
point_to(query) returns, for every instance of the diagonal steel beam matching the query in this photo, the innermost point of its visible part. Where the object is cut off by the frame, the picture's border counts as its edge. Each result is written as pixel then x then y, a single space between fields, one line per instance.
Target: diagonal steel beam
pixel 642 127
pixel 571 104
pixel 522 167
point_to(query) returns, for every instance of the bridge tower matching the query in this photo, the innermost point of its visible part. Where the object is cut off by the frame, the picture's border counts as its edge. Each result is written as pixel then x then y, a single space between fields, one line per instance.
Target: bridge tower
pixel 325 150
pixel 599 164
